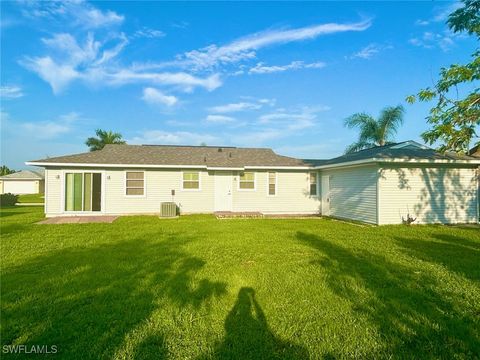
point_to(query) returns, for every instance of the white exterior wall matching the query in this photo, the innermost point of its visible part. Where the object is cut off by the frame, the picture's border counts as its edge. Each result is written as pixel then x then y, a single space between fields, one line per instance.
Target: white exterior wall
pixel 292 195
pixel 53 192
pixel 159 184
pixel 431 194
pixel 20 187
pixel 353 193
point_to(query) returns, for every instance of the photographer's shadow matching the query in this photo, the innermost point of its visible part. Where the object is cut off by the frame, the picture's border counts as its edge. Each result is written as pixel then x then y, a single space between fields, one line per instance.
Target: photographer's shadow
pixel 248 335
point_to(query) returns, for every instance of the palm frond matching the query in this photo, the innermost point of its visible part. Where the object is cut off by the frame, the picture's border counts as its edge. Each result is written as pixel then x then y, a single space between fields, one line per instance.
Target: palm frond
pixel 389 121
pixel 358 120
pixel 359 145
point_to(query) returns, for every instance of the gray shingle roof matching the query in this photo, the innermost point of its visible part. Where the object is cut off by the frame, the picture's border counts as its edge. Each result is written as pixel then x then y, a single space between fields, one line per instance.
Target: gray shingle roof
pixel 233 157
pixel 392 151
pixel 211 156
pixel 24 175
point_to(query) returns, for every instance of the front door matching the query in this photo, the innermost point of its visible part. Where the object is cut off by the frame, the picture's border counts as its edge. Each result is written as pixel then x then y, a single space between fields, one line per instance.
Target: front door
pixel 326 195
pixel 223 191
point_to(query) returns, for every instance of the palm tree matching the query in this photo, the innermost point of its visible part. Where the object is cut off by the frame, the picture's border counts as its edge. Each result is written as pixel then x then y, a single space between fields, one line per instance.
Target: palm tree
pixel 375 132
pixel 103 138
pixel 4 170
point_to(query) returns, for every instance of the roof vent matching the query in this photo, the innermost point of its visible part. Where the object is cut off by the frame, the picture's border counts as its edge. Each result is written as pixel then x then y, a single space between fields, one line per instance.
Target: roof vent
pixel 220 149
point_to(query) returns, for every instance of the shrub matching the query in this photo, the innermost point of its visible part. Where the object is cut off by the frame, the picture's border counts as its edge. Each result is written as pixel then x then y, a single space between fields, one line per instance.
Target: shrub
pixel 8 199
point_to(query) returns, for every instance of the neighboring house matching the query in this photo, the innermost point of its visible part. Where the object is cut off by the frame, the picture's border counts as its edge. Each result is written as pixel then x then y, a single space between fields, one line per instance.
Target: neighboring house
pixel 23 182
pixel 379 185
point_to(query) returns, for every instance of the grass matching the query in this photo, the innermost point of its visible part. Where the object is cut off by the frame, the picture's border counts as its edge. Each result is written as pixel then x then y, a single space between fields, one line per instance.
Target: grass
pixel 31 198
pixel 201 288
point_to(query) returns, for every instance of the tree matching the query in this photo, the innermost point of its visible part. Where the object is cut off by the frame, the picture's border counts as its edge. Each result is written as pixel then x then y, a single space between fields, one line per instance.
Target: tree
pixel 4 170
pixel 455 118
pixel 375 132
pixel 103 138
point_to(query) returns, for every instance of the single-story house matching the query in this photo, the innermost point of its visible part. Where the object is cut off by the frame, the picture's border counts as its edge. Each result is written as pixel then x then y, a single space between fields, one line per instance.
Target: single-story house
pixel 381 185
pixel 23 182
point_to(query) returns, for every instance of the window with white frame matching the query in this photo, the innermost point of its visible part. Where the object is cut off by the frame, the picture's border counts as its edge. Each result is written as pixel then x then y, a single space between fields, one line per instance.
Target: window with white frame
pixel 313 184
pixel 191 180
pixel 272 183
pixel 135 183
pixel 247 181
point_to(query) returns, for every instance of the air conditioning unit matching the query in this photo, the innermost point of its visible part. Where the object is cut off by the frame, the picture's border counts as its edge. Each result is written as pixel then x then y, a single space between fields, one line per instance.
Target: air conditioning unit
pixel 168 209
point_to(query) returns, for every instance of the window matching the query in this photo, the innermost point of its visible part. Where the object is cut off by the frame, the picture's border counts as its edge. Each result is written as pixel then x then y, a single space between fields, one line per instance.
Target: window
pixel 247 181
pixel 135 183
pixel 272 183
pixel 83 191
pixel 191 180
pixel 313 184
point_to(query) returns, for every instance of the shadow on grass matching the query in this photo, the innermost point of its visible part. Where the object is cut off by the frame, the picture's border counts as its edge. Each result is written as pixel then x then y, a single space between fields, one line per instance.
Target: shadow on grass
pixel 248 335
pixel 413 319
pixel 86 300
pixel 458 254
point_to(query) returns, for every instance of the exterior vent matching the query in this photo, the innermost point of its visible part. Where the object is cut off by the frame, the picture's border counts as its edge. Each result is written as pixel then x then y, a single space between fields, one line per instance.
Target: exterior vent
pixel 168 209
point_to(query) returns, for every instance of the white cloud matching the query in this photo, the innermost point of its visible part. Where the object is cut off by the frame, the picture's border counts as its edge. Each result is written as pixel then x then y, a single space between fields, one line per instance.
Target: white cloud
pixel 281 123
pixel 77 13
pixel 261 68
pixel 219 118
pixel 246 47
pixel 269 102
pixel 440 13
pixel 370 51
pixel 430 40
pixel 176 138
pixel 154 96
pixel 53 128
pixel 57 75
pixel 148 33
pixel 235 107
pixel 11 92
pixel 94 62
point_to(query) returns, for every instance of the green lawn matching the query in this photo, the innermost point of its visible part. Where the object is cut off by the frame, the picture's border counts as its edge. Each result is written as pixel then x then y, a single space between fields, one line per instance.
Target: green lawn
pixel 199 288
pixel 31 198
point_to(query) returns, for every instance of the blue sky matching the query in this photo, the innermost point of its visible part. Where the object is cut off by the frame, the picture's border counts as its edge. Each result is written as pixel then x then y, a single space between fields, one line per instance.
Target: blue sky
pixel 281 75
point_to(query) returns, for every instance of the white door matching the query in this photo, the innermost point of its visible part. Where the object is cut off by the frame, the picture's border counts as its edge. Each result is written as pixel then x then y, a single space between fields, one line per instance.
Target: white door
pixel 223 191
pixel 20 187
pixel 326 195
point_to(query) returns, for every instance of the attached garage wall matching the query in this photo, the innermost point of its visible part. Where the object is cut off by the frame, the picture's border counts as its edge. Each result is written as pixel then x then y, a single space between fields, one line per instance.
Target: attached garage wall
pixel 353 193
pixel 431 194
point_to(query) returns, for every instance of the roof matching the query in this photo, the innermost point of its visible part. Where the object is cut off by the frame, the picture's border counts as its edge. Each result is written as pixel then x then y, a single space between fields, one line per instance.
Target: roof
pixel 216 157
pixel 406 151
pixel 475 151
pixel 24 175
pixel 166 155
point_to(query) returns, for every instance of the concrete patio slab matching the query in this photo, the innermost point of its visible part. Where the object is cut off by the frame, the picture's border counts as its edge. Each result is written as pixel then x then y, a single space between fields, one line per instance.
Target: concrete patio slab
pixel 78 219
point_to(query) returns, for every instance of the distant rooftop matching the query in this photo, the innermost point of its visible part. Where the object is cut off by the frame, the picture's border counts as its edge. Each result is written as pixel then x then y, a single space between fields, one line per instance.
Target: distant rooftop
pixel 25 175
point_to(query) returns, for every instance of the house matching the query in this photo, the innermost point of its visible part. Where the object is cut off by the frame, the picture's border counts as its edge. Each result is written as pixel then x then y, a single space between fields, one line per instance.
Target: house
pixel 23 182
pixel 381 185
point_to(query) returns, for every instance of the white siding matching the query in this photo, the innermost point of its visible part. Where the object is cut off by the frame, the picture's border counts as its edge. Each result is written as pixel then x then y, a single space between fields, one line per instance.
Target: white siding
pixel 292 194
pixel 353 193
pixel 432 194
pixel 53 192
pixel 21 186
pixel 159 184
